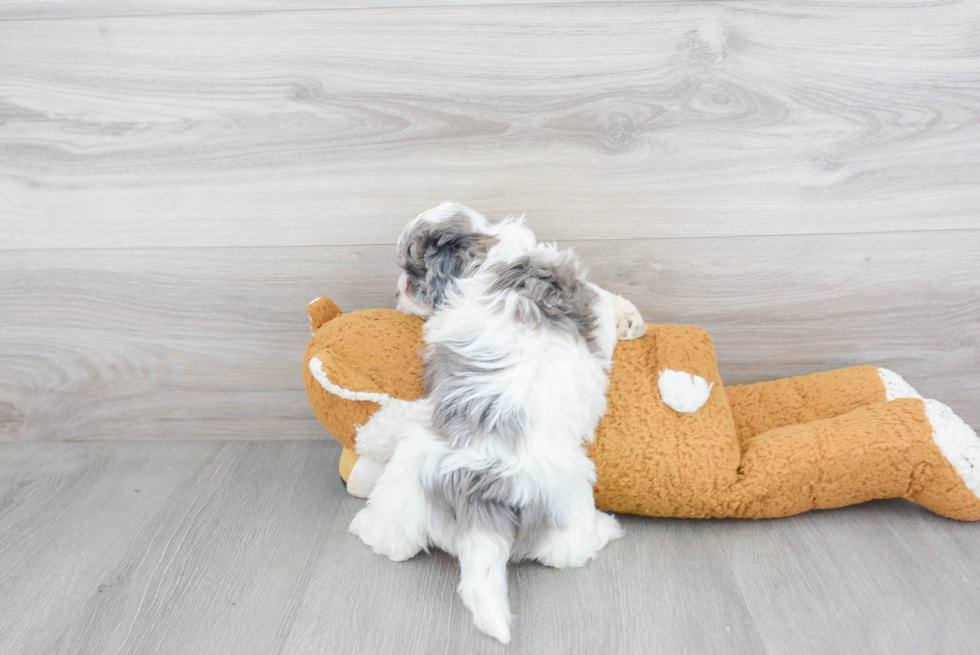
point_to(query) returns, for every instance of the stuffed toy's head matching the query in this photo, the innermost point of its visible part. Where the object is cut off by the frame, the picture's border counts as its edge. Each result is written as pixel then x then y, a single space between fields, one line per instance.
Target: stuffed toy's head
pixel 357 362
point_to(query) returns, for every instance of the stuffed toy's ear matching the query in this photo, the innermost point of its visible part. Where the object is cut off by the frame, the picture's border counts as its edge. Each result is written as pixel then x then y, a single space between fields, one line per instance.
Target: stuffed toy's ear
pixel 321 310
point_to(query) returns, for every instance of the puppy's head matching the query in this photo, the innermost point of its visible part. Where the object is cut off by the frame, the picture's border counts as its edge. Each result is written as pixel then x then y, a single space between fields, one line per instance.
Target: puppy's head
pixel 440 246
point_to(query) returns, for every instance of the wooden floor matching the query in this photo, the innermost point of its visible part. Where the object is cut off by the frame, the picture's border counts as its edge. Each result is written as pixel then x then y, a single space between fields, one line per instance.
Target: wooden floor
pixel 206 547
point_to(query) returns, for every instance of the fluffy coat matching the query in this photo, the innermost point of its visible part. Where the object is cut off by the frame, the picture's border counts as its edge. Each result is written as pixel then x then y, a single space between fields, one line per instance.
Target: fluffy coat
pixel 491 465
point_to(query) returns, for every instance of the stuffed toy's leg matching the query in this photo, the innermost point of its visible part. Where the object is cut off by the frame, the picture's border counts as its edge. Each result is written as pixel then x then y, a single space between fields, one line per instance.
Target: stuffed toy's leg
pixel 764 406
pixel 361 466
pixel 359 473
pixel 905 448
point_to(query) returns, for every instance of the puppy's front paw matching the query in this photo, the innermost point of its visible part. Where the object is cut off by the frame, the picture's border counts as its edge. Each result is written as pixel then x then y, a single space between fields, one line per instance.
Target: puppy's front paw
pixel 629 323
pixel 575 546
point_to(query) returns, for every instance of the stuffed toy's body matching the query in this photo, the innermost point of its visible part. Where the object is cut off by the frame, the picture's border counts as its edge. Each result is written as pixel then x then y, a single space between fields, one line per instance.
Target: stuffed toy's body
pixel 674 440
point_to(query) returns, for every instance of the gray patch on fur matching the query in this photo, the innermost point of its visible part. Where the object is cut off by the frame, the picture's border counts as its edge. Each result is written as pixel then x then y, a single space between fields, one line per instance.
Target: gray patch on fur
pixel 465 408
pixel 554 293
pixel 435 255
pixel 465 412
pixel 485 501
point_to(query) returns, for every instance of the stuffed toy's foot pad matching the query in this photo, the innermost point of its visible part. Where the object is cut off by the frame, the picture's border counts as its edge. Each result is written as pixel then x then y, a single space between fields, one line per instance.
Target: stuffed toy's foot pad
pixel 895 385
pixel 957 441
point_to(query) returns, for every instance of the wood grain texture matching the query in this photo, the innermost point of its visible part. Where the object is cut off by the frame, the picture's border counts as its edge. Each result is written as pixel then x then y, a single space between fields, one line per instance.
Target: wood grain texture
pixel 602 122
pixel 66 514
pixel 208 343
pixel 57 9
pixel 169 344
pixel 243 548
pixel 888 586
pixel 237 545
pixel 640 597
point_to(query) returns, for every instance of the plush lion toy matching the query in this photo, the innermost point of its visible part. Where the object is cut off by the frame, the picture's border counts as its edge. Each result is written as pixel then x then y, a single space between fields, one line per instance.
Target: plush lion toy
pixel 675 441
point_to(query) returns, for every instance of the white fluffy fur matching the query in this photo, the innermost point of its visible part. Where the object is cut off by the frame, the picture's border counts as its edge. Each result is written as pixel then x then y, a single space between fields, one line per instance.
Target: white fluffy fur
pixel 558 384
pixel 683 392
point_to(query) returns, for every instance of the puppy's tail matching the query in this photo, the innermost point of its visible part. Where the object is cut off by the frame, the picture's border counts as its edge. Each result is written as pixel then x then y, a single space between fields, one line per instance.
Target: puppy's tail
pixel 483 559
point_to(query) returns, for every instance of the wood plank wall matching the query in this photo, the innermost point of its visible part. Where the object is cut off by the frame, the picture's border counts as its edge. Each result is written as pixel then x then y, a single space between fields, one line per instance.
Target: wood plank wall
pixel 802 178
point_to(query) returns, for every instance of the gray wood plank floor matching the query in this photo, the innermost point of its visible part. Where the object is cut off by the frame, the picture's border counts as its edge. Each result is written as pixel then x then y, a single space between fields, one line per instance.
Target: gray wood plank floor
pixel 196 547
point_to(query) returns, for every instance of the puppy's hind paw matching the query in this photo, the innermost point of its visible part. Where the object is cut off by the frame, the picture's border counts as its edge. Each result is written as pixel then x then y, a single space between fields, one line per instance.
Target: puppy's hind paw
pixel 608 528
pixel 383 536
pixel 574 547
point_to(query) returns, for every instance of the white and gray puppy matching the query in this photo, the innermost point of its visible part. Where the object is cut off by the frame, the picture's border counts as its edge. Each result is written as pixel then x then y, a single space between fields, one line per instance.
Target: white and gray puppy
pixel 490 465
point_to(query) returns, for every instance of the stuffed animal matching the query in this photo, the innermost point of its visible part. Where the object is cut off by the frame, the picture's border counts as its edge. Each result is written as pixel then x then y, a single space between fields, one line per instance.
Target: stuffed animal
pixel 675 441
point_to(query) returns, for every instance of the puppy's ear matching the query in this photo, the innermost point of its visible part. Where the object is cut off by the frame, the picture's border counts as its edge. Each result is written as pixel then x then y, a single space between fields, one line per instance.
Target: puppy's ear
pixel 436 254
pixel 453 254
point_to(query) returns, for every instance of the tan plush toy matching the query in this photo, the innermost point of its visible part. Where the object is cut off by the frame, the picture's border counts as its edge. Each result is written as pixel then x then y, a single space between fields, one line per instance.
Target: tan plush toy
pixel 675 441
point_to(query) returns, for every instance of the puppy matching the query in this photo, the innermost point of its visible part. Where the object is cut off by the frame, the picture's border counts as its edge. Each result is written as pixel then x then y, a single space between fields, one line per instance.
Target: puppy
pixel 490 465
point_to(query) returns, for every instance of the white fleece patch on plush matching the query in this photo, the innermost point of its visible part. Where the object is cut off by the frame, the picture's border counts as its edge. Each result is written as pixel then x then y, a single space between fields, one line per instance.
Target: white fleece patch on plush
pixel 957 441
pixel 363 477
pixel 316 368
pixel 683 392
pixel 377 438
pixel 895 385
